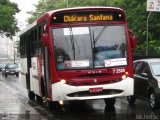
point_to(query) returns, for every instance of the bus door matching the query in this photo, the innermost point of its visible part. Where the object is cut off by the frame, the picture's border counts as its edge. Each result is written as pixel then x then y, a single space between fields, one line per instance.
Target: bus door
pixel 46 61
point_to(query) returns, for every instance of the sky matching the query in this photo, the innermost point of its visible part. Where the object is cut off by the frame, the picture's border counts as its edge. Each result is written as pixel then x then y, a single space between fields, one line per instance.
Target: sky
pixel 25 6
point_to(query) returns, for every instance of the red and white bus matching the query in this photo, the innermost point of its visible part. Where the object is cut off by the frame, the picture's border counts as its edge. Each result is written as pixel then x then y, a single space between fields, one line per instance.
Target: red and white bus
pixel 78 54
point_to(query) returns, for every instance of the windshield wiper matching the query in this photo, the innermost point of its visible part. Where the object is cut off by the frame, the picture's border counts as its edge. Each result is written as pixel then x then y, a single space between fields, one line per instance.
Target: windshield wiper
pixel 91 33
pixel 100 33
pixel 72 41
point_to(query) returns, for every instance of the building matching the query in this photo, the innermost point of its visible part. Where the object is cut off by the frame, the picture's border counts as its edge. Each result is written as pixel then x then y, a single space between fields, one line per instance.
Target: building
pixel 7 50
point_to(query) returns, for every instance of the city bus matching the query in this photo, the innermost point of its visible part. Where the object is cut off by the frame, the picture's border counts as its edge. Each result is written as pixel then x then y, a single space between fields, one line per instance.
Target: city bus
pixel 77 54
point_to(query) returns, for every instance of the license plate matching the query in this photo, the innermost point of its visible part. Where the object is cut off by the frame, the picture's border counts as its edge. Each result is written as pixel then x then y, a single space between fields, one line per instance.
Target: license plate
pixel 96 90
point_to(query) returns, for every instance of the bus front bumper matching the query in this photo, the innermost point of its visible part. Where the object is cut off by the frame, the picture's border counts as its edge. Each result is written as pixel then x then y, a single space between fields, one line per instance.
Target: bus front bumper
pixel 61 91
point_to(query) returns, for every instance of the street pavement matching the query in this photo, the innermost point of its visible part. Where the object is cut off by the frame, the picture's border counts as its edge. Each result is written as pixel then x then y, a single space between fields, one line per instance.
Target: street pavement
pixel 14 106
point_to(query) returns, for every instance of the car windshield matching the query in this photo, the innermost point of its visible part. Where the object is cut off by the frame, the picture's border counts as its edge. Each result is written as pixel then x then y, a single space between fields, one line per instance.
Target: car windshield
pixel 90 46
pixel 11 66
pixel 155 68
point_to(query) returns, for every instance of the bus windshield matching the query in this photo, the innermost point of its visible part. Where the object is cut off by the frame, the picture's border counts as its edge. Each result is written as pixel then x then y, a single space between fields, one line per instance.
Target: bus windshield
pixel 89 47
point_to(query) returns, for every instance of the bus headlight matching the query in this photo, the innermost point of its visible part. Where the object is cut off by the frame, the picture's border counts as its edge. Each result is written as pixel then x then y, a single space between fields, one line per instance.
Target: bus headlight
pixel 63 81
pixel 124 77
pixel 61 102
pixel 126 73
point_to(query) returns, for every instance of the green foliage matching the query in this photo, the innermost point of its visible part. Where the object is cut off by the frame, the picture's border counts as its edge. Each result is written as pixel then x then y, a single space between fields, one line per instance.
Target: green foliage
pixel 136 16
pixel 47 5
pixel 8 23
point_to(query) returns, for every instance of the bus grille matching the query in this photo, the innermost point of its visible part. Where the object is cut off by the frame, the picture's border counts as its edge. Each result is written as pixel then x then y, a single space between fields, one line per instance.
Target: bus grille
pixel 91 82
pixel 87 93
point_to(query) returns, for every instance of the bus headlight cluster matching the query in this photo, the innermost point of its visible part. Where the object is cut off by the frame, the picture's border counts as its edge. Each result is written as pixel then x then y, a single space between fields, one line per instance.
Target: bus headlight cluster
pixel 61 102
pixel 124 76
pixel 63 81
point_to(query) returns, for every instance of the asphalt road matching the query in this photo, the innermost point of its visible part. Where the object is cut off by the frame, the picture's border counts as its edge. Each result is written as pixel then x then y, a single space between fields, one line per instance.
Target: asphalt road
pixel 15 105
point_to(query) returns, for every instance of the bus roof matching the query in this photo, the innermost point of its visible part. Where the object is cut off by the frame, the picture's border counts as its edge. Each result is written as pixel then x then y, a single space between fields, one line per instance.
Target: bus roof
pixel 83 8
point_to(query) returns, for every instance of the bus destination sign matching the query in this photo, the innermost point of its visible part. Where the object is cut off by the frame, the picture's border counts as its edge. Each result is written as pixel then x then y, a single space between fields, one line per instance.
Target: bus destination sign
pixel 87 16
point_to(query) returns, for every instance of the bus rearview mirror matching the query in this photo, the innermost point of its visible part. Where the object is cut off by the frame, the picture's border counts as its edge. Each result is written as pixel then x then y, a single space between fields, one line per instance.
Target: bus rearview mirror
pixel 133 39
pixel 134 42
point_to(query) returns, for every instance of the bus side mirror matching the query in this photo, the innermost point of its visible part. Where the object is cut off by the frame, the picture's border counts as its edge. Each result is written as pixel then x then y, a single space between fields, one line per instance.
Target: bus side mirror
pixel 133 39
pixel 134 42
pixel 45 39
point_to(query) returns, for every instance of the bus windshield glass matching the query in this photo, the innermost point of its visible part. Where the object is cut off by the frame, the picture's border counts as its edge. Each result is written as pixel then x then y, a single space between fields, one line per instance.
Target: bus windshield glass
pixel 90 47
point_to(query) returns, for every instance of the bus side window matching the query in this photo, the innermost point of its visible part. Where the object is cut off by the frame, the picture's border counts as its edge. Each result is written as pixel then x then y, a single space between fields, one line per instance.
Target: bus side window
pixel 32 39
pixel 35 42
pixel 40 32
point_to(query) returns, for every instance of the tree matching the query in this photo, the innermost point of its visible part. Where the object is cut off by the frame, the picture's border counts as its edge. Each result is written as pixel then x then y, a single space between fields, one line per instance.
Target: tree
pixel 8 22
pixel 137 18
pixel 47 5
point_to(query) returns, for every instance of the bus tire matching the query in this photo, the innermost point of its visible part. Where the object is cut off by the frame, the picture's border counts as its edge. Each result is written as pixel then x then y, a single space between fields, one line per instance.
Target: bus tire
pixel 39 100
pixel 131 100
pixel 31 96
pixel 52 105
pixel 110 102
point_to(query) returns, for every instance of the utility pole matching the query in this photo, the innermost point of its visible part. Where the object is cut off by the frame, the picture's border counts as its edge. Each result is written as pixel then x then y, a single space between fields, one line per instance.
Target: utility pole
pixel 147 41
pixel 67 3
pixel 152 6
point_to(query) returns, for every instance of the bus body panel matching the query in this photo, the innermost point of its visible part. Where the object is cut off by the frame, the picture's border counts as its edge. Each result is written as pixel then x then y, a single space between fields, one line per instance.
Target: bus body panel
pixel 34 76
pixel 31 81
pixel 23 72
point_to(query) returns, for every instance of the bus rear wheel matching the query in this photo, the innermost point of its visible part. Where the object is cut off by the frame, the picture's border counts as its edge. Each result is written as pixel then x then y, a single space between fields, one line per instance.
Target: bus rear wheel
pixel 39 100
pixel 110 102
pixel 31 95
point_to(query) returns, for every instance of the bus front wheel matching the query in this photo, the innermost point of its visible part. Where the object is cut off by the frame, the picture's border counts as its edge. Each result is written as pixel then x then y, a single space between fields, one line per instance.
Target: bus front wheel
pixel 131 100
pixel 53 105
pixel 31 95
pixel 110 102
